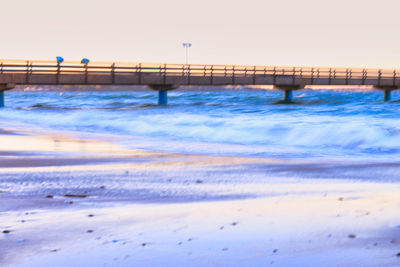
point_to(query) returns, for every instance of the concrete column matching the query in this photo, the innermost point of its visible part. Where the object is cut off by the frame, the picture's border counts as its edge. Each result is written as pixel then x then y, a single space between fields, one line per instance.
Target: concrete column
pixel 1 99
pixel 162 91
pixel 288 91
pixel 162 97
pixel 288 95
pixel 387 95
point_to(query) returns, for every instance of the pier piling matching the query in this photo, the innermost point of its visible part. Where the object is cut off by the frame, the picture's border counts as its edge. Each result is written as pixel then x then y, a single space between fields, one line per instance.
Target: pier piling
pixel 1 99
pixel 162 97
pixel 387 95
pixel 288 95
pixel 4 87
pixel 288 91
pixel 162 91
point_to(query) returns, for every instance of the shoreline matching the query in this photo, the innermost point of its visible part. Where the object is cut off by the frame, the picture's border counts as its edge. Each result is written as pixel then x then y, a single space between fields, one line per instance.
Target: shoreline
pixel 96 203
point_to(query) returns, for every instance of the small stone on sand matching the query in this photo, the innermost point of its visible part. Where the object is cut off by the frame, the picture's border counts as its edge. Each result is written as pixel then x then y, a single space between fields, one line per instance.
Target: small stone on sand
pixel 90 215
pixel 75 195
pixel 89 231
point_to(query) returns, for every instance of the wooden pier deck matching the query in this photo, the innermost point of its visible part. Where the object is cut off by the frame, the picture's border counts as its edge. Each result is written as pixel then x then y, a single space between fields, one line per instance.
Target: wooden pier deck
pixel 164 77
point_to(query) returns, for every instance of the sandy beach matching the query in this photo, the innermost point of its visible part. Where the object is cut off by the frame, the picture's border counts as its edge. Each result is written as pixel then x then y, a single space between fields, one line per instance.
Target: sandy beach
pixel 200 133
pixel 66 201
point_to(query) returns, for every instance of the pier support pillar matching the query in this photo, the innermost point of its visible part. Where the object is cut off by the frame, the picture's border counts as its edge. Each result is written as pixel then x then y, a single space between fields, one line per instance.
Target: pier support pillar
pixel 387 91
pixel 288 95
pixel 4 87
pixel 1 98
pixel 162 97
pixel 288 91
pixel 387 95
pixel 162 91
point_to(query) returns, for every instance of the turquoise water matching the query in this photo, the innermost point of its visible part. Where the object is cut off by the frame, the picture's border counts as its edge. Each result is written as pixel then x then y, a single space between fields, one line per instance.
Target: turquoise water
pixel 321 123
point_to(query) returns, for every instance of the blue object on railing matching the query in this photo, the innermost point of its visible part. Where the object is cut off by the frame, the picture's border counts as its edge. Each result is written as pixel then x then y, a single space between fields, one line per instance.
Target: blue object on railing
pixel 85 61
pixel 60 59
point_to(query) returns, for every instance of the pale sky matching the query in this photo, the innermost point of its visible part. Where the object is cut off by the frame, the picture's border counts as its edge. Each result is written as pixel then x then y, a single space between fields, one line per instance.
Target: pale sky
pixel 337 33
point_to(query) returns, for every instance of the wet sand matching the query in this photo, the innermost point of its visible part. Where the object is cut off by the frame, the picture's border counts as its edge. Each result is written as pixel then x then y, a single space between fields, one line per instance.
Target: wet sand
pixel 66 201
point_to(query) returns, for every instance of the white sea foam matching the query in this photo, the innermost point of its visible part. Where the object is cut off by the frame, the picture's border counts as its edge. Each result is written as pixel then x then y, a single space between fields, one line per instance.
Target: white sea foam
pixel 247 127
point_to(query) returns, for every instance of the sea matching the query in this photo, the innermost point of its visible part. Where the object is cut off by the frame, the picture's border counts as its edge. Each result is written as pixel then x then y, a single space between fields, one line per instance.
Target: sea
pixel 240 121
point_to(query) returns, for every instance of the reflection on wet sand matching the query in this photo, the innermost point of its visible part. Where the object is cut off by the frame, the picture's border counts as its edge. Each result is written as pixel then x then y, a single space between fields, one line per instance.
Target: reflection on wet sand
pixel 65 202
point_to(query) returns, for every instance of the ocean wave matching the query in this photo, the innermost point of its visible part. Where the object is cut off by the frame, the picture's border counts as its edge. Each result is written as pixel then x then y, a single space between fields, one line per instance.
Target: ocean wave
pixel 238 123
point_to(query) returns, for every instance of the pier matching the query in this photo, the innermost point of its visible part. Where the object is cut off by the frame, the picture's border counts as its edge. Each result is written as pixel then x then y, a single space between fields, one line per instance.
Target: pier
pixel 163 77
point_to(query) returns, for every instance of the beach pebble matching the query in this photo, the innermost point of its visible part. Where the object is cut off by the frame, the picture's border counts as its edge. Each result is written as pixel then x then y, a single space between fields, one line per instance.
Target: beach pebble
pixel 75 195
pixel 6 231
pixel 89 231
pixel 90 215
pixel 49 196
pixel 352 236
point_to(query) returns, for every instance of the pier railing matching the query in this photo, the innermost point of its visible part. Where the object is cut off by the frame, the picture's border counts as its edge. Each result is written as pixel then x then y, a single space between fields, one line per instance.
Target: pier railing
pixel 194 70
pixel 163 77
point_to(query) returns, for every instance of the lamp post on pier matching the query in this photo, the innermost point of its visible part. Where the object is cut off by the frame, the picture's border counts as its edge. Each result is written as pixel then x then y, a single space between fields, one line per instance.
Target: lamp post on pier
pixel 187 46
